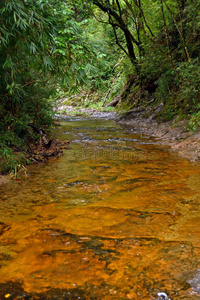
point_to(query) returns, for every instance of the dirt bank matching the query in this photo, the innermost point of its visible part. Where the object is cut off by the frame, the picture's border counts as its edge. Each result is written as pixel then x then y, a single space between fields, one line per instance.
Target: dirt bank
pixel 174 134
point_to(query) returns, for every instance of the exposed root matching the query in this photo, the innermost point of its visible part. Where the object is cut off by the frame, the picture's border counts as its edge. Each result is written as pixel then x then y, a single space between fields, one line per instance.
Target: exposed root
pixel 41 152
pixel 44 149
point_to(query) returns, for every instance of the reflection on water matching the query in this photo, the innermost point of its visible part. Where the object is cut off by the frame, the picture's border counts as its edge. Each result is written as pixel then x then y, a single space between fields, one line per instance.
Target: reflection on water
pixel 117 217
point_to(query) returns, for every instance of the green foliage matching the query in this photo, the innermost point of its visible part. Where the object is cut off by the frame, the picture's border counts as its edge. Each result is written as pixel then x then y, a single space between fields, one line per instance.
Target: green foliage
pixel 188 73
pixel 26 60
pixel 41 46
pixel 161 39
pixel 94 68
pixel 92 49
pixel 10 161
pixel 194 121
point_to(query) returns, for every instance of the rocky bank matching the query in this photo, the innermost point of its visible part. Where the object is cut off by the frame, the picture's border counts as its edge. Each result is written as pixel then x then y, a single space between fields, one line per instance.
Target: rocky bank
pixel 173 133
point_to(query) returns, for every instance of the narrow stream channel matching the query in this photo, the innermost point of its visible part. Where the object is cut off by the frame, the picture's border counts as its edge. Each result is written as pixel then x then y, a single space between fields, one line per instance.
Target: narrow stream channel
pixel 117 217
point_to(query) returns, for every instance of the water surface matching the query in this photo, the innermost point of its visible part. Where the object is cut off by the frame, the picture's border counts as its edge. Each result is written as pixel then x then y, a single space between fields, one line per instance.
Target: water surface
pixel 117 217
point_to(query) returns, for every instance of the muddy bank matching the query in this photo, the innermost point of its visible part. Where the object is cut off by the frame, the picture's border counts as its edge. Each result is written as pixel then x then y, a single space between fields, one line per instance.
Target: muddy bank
pixel 175 134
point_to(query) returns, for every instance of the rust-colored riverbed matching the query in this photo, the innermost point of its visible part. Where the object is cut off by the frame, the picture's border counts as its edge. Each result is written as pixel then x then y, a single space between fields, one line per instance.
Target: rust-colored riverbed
pixel 117 217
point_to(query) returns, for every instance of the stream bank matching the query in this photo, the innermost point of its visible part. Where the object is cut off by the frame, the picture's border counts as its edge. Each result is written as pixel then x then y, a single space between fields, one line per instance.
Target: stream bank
pixel 173 133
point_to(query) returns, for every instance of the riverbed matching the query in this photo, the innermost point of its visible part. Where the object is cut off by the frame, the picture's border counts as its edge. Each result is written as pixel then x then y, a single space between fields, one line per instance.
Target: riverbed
pixel 117 217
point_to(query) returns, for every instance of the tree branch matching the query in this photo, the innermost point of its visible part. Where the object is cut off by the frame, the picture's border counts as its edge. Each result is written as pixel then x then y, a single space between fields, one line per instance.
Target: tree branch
pixel 130 40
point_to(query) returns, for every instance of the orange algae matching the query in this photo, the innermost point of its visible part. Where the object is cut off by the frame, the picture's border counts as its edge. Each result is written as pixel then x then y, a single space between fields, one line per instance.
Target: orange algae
pixel 104 228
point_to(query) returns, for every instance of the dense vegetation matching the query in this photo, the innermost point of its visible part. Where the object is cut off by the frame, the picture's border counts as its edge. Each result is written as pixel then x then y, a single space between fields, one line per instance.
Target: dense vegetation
pixel 147 50
pixel 161 39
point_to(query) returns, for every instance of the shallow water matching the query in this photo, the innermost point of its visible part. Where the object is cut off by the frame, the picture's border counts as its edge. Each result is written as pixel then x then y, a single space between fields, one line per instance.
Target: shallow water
pixel 117 217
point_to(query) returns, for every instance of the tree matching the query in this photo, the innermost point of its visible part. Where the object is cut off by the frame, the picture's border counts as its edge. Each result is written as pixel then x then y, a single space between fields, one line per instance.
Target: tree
pixel 117 18
pixel 159 39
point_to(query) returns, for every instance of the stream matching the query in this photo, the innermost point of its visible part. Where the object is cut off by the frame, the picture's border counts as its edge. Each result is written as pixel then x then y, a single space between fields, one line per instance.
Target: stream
pixel 116 217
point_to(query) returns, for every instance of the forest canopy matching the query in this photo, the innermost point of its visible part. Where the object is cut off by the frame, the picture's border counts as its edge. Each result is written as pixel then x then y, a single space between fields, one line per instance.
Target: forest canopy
pixel 145 50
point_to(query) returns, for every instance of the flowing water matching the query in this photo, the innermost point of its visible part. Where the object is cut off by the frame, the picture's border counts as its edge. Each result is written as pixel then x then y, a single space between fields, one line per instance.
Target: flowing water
pixel 117 217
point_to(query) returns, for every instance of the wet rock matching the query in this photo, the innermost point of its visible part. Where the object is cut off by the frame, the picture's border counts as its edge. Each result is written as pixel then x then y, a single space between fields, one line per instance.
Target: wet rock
pixel 195 281
pixel 13 290
pixel 163 296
